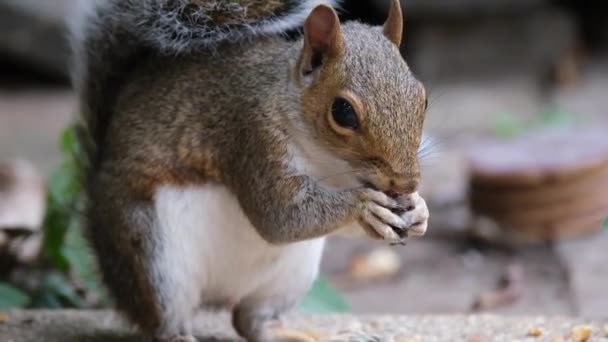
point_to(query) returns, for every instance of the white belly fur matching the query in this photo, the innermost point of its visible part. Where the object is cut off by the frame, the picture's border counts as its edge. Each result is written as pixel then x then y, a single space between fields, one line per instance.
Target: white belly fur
pixel 214 254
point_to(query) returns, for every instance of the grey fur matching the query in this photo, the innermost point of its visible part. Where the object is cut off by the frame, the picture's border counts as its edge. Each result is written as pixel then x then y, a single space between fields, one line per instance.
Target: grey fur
pixel 107 36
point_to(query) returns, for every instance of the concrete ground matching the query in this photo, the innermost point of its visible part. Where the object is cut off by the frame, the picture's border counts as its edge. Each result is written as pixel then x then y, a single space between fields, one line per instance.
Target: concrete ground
pixel 90 326
pixel 445 271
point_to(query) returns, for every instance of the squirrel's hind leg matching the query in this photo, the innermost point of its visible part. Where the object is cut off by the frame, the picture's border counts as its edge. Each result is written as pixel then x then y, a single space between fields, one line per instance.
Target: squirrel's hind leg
pixel 143 268
pixel 291 278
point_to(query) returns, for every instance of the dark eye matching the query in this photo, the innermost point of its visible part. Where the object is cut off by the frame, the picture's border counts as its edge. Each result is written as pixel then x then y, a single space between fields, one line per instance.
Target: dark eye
pixel 344 114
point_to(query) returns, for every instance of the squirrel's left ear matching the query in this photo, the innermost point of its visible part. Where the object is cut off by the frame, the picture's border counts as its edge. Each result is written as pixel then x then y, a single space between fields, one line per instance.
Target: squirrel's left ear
pixel 393 27
pixel 322 38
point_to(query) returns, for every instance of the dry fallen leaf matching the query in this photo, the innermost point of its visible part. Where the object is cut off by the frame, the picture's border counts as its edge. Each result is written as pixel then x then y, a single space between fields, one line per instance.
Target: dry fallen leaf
pixel 509 291
pixel 581 333
pixel 22 207
pixel 351 335
pixel 536 332
pixel 22 196
pixel 3 317
pixel 317 335
pixel 292 335
pixel 474 339
pixel 380 263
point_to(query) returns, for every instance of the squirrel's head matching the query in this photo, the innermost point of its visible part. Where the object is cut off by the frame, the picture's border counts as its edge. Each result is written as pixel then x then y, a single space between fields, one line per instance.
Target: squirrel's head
pixel 359 98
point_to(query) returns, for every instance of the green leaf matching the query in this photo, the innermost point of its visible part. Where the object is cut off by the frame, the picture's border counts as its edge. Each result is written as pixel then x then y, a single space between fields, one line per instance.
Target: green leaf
pixel 59 290
pixel 67 141
pixel 82 261
pixel 47 300
pixel 323 298
pixel 56 225
pixel 72 276
pixel 554 118
pixel 61 185
pixel 12 297
pixel 507 126
pixel 63 202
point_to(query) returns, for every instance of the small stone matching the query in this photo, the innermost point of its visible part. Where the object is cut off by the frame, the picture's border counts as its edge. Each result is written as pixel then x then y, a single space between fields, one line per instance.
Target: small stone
pixel 295 335
pixel 380 263
pixel 373 326
pixel 407 339
pixel 316 335
pixel 536 332
pixel 581 333
pixel 606 330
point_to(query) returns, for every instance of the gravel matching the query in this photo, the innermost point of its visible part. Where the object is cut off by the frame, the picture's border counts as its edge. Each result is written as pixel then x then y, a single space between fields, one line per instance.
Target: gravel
pixel 87 326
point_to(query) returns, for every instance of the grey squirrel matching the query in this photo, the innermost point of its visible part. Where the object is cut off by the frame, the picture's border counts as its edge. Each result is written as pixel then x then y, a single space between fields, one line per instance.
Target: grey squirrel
pixel 221 154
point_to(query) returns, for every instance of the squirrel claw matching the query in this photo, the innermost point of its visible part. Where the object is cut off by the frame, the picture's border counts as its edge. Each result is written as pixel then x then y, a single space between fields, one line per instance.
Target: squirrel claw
pixel 399 243
pixel 402 232
pixel 400 210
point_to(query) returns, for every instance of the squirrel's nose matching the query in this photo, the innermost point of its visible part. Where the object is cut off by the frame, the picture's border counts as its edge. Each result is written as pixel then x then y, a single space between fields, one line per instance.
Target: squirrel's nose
pixel 399 187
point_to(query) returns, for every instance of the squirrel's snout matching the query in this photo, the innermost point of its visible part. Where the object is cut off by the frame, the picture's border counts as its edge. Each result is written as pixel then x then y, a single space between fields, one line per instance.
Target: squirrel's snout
pixel 395 187
pixel 406 186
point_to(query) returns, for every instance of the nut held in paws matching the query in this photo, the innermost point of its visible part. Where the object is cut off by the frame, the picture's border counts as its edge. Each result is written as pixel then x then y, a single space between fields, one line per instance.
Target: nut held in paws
pixel 416 214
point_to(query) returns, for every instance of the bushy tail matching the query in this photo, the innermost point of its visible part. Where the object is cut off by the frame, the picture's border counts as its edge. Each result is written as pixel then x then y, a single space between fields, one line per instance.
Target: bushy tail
pixel 109 36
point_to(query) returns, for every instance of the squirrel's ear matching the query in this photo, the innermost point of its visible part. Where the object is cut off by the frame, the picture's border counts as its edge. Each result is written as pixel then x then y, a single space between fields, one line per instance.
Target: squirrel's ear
pixel 393 27
pixel 322 38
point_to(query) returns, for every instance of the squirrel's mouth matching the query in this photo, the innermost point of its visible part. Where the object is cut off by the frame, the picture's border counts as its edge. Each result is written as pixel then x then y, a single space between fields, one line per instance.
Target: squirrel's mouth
pixel 369 184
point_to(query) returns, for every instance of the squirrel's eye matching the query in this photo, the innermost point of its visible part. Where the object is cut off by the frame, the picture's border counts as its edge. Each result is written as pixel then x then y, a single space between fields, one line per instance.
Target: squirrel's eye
pixel 344 114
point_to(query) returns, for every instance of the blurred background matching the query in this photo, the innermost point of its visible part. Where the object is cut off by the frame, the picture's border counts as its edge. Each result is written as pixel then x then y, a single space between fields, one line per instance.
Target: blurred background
pixel 515 165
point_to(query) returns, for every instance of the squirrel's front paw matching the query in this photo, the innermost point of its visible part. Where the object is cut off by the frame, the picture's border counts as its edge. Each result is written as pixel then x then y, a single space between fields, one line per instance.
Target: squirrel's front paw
pixel 416 215
pixel 381 216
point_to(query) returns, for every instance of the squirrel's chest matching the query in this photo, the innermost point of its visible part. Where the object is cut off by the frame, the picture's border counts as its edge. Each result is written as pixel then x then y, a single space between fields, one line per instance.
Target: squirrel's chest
pixel 212 238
